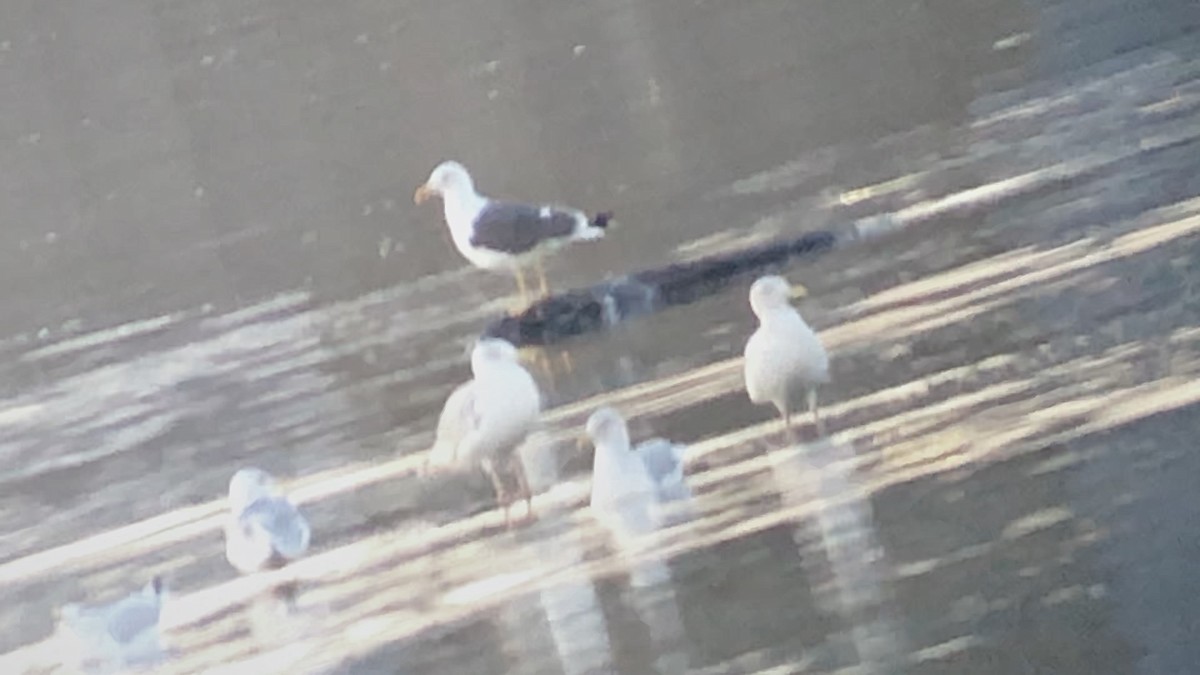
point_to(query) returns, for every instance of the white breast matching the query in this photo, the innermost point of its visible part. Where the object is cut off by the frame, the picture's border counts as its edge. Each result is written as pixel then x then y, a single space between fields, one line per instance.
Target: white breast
pixel 507 406
pixel 782 353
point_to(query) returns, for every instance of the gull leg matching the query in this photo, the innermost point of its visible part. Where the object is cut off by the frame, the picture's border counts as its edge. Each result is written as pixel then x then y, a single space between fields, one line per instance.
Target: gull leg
pixel 502 496
pixel 523 484
pixel 541 270
pixel 815 408
pixel 568 362
pixel 519 272
pixel 789 434
pixel 542 362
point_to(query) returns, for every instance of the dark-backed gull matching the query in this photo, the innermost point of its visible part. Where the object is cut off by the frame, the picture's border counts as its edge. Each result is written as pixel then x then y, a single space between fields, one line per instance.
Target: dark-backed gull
pixel 784 357
pixel 497 235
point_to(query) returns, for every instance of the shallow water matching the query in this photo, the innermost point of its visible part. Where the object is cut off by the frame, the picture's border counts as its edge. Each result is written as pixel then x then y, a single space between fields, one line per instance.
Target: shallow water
pixel 213 261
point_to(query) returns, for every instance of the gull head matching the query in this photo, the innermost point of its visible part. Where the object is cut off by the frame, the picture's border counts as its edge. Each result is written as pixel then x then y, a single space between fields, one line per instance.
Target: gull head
pixel 607 428
pixel 449 177
pixel 248 485
pixel 492 351
pixel 768 294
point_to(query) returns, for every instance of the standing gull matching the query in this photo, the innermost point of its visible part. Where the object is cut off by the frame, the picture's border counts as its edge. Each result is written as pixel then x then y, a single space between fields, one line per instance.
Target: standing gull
pixel 632 487
pixel 103 638
pixel 486 419
pixel 265 529
pixel 496 235
pixel 784 357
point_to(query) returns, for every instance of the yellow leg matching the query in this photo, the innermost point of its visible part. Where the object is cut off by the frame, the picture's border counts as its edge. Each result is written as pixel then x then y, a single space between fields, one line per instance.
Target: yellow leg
pixel 524 299
pixel 546 366
pixel 541 270
pixel 568 362
pixel 539 357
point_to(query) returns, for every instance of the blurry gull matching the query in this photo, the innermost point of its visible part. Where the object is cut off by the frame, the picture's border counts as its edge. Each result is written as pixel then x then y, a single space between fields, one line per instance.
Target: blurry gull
pixel 632 488
pixel 497 235
pixel 486 419
pixel 265 530
pixel 784 357
pixel 124 633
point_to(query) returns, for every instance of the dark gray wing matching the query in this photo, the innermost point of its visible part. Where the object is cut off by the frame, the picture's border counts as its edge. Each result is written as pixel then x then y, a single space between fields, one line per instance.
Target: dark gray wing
pixel 519 228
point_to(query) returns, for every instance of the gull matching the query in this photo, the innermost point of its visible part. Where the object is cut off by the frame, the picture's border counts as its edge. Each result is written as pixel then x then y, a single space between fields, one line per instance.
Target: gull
pixel 784 357
pixel 485 419
pixel 265 530
pixel 498 235
pixel 124 633
pixel 632 487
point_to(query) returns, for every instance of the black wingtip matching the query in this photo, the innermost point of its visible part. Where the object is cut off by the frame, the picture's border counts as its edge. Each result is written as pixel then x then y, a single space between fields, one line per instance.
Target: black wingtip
pixel 158 584
pixel 601 219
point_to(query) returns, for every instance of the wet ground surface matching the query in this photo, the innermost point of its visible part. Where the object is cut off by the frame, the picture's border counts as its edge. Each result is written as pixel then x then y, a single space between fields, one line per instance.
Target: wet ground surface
pixel 212 260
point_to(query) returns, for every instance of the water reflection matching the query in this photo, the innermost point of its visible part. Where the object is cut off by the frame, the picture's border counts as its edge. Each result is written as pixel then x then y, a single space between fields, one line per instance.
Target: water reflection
pixel 837 540
pixel 650 594
pixel 571 608
pixel 1040 312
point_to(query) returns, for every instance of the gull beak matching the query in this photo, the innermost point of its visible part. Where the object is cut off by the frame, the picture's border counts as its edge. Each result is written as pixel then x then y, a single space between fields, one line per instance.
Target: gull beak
pixel 424 192
pixel 799 291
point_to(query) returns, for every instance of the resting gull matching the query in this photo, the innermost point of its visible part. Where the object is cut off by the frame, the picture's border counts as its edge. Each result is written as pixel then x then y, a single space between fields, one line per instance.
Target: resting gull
pixel 497 235
pixel 486 419
pixel 103 638
pixel 784 357
pixel 265 530
pixel 632 488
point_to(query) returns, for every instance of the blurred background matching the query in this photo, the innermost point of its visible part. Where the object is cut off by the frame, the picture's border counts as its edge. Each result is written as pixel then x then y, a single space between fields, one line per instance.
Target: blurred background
pixel 211 259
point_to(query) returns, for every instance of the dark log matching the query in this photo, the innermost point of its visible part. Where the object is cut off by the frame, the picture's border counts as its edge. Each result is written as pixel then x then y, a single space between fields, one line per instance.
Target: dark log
pixel 581 311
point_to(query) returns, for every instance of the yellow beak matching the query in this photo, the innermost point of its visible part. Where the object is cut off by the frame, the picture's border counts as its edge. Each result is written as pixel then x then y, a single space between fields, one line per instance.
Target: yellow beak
pixel 799 291
pixel 424 192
